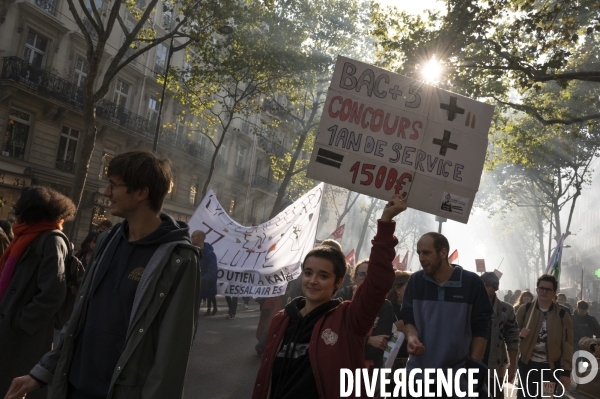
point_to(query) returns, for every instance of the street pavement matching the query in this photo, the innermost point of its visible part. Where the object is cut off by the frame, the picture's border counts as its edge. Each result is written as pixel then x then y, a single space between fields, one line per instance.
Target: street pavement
pixel 223 363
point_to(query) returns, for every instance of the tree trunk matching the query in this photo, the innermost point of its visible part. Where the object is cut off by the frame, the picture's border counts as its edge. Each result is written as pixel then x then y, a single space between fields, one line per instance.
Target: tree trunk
pixel 86 149
pixel 363 230
pixel 540 234
pixel 214 158
pixel 288 175
pixel 347 207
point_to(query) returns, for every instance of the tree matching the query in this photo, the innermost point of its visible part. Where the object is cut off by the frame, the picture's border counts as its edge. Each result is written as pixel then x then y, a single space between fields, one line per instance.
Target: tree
pixel 335 196
pixel 335 27
pixel 98 25
pixel 228 80
pixel 538 62
pixel 490 48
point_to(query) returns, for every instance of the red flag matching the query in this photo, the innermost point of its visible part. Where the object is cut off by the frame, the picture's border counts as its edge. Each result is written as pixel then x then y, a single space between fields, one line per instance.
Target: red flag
pixel 453 257
pixel 351 258
pixel 402 266
pixel 338 233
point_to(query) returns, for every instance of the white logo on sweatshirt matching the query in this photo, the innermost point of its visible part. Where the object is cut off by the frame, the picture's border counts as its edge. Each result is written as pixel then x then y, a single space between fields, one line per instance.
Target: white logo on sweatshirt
pixel 329 337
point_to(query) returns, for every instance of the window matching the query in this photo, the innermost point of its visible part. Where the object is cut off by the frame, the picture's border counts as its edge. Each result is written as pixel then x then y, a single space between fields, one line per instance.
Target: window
pixel 152 111
pixel 46 5
pixel 97 3
pixel 121 94
pixel 160 62
pixel 167 15
pixel 15 138
pixel 65 158
pixel 180 127
pixel 246 126
pixel 259 163
pixel 35 49
pixel 81 71
pixel 239 162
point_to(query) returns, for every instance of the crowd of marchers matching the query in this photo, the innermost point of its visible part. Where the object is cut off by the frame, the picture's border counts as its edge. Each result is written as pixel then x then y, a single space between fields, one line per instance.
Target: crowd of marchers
pixel 128 304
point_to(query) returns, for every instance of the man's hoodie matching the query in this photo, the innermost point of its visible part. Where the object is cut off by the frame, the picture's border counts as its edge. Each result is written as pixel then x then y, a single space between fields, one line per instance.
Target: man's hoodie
pixel 292 373
pixel 208 263
pixel 100 343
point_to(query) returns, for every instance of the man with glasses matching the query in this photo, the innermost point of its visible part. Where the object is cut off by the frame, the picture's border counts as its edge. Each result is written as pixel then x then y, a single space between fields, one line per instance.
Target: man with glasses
pixel 133 324
pixel 546 345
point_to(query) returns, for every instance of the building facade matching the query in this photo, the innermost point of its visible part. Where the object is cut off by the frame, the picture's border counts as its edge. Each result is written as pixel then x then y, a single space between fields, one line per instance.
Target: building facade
pixel 43 66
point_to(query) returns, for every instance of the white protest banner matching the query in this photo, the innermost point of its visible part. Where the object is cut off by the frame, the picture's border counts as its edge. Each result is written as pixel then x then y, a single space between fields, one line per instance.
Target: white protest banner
pixel 259 260
pixel 382 133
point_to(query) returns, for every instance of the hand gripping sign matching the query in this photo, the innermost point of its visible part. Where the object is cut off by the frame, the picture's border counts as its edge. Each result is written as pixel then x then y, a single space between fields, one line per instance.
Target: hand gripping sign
pixel 382 133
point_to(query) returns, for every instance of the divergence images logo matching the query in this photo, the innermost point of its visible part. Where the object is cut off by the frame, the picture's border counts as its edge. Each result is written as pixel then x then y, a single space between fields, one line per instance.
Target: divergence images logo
pixel 588 365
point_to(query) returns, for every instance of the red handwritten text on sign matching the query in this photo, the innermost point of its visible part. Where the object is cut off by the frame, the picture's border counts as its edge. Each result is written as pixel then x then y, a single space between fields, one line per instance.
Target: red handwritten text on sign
pixel 383 175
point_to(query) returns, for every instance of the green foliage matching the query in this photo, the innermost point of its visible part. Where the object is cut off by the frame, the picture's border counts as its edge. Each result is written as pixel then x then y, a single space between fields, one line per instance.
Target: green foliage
pixel 504 49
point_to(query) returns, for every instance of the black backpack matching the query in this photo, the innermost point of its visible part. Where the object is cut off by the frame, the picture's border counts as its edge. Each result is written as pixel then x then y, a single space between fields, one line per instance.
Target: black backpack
pixel 74 272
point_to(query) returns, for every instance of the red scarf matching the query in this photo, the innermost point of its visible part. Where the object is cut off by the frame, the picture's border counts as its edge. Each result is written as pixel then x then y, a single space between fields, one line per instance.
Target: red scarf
pixel 24 235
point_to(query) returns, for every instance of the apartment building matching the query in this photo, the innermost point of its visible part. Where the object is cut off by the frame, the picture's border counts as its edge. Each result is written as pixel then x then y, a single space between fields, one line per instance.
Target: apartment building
pixel 42 68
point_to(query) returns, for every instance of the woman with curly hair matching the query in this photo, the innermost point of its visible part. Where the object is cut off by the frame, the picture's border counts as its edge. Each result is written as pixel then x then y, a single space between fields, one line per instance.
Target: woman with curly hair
pixel 524 298
pixel 32 282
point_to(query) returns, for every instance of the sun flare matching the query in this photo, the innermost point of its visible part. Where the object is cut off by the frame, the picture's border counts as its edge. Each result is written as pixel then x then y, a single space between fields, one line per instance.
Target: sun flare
pixel 432 71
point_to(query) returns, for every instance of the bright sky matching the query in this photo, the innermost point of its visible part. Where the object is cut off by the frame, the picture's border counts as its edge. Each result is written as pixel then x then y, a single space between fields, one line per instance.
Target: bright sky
pixel 413 6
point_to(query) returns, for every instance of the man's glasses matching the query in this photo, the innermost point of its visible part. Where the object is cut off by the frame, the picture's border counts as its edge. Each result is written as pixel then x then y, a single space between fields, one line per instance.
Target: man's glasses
pixel 544 289
pixel 112 185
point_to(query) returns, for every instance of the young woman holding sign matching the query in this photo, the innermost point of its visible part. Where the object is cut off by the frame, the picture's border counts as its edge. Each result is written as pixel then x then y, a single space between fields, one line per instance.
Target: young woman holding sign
pixel 314 336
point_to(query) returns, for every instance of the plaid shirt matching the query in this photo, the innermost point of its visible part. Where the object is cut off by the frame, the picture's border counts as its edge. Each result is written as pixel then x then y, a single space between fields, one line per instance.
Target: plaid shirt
pixel 504 334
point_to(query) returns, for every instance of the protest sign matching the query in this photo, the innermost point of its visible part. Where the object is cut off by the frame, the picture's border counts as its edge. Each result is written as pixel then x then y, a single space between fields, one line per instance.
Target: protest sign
pixel 480 265
pixel 259 260
pixel 382 133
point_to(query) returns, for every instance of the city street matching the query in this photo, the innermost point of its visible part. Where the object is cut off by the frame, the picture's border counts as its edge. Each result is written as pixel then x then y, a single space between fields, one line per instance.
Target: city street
pixel 223 363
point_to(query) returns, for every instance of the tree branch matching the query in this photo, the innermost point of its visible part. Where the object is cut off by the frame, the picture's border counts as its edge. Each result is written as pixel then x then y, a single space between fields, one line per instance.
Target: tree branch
pixel 536 114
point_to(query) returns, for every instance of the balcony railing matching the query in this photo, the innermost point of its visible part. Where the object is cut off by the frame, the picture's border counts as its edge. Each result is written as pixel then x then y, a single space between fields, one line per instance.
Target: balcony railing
pixel 265 184
pixel 272 147
pixel 124 118
pixel 47 5
pixel 159 69
pixel 42 81
pixel 240 173
pixel 52 86
pixel 65 166
pixel 169 137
